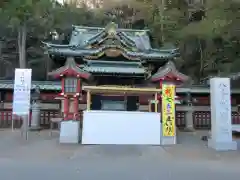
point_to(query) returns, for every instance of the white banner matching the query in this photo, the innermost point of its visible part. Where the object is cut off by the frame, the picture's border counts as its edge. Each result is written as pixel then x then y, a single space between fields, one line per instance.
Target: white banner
pixel 22 91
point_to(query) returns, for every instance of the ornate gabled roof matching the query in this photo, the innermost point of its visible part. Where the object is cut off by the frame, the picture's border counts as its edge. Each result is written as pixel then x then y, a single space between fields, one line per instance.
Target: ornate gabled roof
pixel 133 43
pixel 128 36
pixel 150 54
pixel 43 85
pixel 170 71
pixel 71 69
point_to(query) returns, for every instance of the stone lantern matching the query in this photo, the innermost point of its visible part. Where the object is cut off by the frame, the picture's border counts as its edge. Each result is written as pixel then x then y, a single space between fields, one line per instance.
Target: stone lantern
pixel 2 95
pixel 188 100
pixel 35 106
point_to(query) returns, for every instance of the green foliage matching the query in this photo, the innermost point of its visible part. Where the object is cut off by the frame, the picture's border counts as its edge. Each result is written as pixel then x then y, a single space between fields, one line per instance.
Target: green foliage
pixel 209 45
pixel 24 11
pixel 218 29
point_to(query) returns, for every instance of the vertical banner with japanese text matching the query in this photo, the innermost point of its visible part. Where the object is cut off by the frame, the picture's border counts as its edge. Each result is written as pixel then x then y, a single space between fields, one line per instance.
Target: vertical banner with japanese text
pixel 168 109
pixel 22 91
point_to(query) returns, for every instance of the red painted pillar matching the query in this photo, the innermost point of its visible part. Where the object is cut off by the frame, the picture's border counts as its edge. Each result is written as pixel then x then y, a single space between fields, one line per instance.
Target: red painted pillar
pixel 66 107
pixel 76 99
pixel 79 87
pixel 160 83
pixel 62 84
pixel 76 107
pixel 160 99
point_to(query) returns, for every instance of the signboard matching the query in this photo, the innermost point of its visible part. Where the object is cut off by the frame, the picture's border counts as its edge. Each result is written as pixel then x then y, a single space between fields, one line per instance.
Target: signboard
pixel 221 119
pixel 22 90
pixel 168 109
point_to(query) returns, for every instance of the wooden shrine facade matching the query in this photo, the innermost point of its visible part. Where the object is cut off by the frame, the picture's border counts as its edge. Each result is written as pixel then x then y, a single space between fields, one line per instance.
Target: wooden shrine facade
pixel 50 107
pixel 111 56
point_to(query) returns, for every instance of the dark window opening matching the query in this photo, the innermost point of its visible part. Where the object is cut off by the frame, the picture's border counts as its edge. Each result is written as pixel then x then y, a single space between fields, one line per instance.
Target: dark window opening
pixel 70 85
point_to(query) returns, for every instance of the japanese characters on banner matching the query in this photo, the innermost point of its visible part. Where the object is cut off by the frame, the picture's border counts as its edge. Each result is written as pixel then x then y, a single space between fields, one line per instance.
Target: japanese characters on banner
pixel 168 109
pixel 22 90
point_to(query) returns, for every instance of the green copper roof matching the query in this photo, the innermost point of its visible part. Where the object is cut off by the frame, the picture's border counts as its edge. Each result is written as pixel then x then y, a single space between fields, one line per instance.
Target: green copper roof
pixel 70 65
pixel 169 69
pixel 133 43
pixel 89 35
pixel 56 85
pixel 114 70
pixel 44 85
pixel 75 51
pixel 114 67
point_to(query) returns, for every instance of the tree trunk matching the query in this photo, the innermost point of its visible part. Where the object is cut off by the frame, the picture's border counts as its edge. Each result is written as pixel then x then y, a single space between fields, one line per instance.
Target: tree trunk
pixel 162 19
pixel 1 61
pixel 201 60
pixel 1 45
pixel 48 65
pixel 22 37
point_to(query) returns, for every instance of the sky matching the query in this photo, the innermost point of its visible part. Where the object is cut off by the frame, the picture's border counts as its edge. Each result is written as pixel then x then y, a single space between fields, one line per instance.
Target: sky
pixel 60 1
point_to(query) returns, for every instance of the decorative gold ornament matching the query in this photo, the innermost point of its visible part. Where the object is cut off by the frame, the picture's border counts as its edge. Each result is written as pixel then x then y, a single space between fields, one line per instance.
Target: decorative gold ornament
pixel 111 29
pixel 140 33
pixel 113 52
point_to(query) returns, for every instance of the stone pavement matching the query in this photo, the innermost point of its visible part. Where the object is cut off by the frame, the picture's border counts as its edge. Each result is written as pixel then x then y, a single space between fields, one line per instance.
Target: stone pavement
pixel 190 146
pixel 41 157
pixel 41 146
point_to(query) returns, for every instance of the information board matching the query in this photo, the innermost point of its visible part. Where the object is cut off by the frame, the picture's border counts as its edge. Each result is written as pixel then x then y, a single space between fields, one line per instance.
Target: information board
pixel 22 91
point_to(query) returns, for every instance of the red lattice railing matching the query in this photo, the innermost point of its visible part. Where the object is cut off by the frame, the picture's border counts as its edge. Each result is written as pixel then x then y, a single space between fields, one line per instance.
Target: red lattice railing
pixel 46 115
pixel 6 118
pixel 202 119
pixel 181 119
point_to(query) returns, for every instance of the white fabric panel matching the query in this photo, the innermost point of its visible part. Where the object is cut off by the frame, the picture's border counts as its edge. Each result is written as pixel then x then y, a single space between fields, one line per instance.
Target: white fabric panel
pixel 121 127
pixel 70 132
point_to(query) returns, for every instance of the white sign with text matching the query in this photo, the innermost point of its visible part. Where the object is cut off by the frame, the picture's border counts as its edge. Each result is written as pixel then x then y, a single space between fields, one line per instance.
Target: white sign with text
pixel 22 91
pixel 221 119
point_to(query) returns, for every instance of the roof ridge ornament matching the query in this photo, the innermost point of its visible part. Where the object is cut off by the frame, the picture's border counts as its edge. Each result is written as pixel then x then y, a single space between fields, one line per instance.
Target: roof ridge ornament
pixel 111 28
pixel 70 62
pixel 171 66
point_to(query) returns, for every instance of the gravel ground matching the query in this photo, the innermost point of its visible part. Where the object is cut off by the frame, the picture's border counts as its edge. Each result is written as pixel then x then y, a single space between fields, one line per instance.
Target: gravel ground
pixel 41 157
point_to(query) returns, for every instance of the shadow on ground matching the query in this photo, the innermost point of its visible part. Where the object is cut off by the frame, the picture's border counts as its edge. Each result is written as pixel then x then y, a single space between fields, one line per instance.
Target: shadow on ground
pixel 43 147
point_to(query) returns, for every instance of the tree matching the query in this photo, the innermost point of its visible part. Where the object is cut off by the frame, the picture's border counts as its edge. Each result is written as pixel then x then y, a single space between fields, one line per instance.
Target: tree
pixel 20 15
pixel 217 35
pixel 164 18
pixel 208 36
